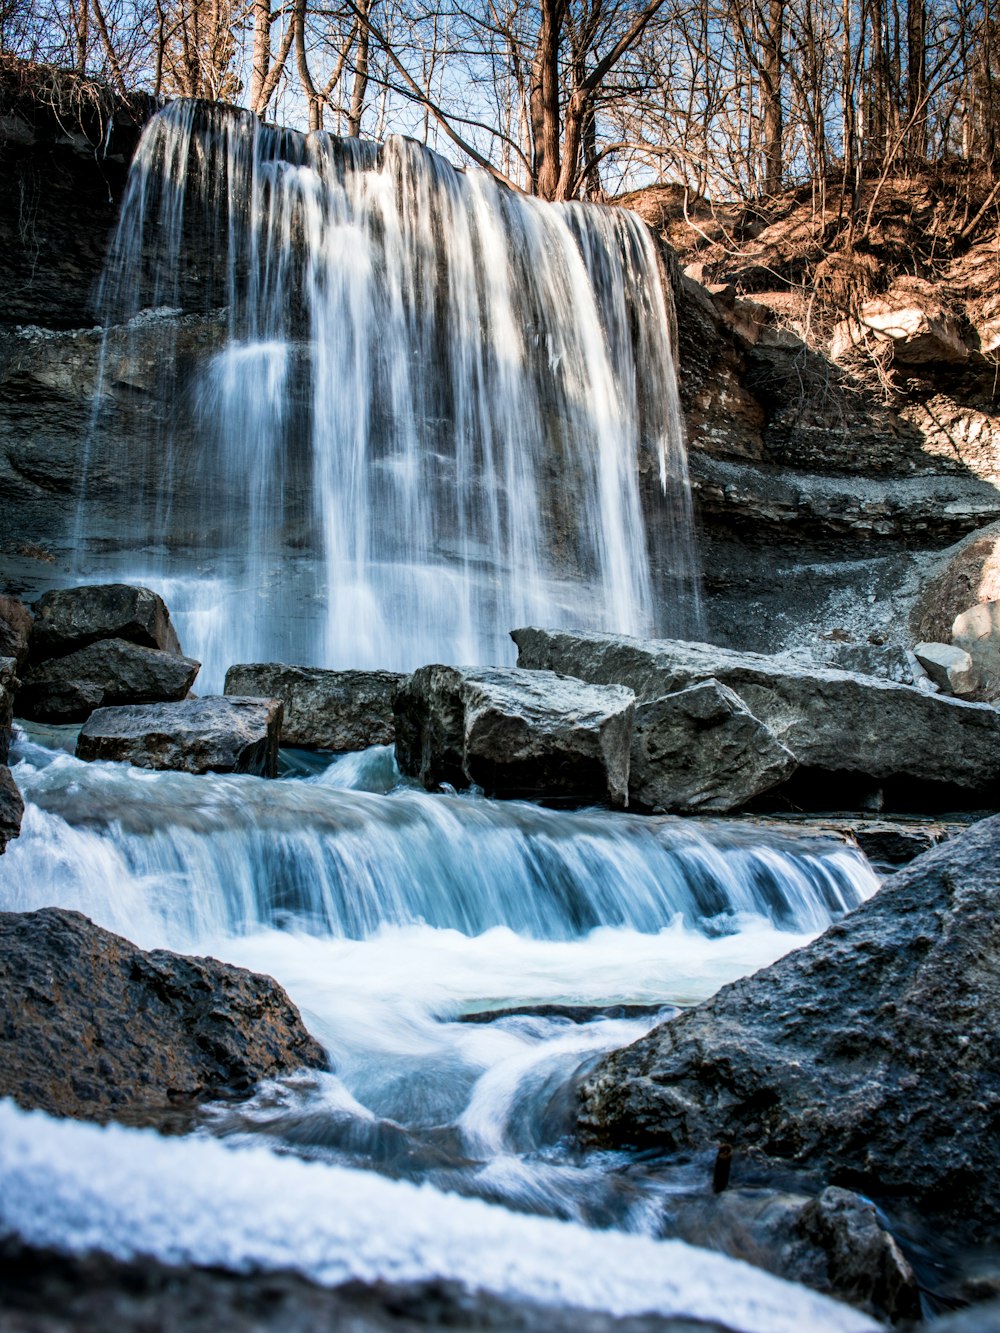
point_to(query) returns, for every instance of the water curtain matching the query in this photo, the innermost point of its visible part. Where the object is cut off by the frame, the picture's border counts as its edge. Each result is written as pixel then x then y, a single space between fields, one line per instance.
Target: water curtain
pixel 383 410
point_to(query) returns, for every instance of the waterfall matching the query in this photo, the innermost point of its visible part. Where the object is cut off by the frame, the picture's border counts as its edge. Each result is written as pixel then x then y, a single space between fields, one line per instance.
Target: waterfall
pixel 171 858
pixel 370 410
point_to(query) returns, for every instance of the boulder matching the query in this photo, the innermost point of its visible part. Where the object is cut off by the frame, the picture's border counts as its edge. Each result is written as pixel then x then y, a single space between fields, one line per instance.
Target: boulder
pixel 11 808
pixel 15 630
pixel 976 631
pixel 846 728
pixel 105 673
pixel 211 735
pixel 950 668
pixel 324 710
pixel 515 733
pixel 870 1056
pixel 8 687
pixel 834 1242
pixel 913 319
pixel 701 749
pixel 964 574
pixel 70 618
pixel 96 1028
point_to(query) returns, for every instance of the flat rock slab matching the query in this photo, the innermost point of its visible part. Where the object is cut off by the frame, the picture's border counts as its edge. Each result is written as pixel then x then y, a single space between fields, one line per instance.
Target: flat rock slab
pixel 836 721
pixel 324 710
pixel 96 1028
pixel 211 735
pixel 70 618
pixel 44 1291
pixel 702 750
pixel 104 674
pixel 871 1056
pixel 515 733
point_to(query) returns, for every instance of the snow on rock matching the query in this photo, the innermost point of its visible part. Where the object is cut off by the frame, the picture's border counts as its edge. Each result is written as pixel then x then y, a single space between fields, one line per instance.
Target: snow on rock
pixel 79 1187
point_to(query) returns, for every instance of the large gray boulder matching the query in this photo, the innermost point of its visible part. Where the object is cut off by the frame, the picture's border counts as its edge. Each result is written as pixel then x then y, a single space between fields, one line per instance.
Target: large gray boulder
pixel 515 733
pixel 324 710
pixel 104 674
pixel 838 723
pixel 870 1056
pixel 702 750
pixel 139 1035
pixel 70 618
pixel 211 735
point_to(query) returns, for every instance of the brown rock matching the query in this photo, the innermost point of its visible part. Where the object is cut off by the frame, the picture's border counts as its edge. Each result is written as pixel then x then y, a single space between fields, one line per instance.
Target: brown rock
pixel 11 808
pixel 96 1028
pixel 105 673
pixel 15 630
pixel 67 619
pixel 977 632
pixel 911 316
pixel 966 573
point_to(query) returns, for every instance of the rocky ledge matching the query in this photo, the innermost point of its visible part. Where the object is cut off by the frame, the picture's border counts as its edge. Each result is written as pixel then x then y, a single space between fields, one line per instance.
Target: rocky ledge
pixel 859 741
pixel 46 1292
pixel 98 1029
pixel 848 1057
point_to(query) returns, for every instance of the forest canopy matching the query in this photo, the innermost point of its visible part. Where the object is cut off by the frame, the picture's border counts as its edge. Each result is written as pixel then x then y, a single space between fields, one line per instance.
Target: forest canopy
pixel 566 99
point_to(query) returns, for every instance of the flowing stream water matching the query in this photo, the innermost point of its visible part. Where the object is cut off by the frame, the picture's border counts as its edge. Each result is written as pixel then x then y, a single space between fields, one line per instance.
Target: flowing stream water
pixel 400 922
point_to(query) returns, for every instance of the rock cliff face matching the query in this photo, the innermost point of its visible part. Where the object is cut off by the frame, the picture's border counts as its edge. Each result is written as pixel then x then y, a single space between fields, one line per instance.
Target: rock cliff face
pixel 821 501
pixel 830 465
pixel 64 154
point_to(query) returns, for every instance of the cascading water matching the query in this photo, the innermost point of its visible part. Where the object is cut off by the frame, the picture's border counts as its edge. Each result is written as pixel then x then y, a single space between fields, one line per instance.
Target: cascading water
pixel 394 917
pixel 380 411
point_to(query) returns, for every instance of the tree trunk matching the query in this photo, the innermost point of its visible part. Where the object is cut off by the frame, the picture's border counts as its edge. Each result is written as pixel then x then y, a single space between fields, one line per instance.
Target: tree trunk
pixel 359 89
pixel 261 52
pixel 916 80
pixel 545 119
pixel 772 110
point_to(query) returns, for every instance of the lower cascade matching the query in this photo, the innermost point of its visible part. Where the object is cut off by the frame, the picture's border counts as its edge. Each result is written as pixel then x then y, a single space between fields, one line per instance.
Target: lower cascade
pixel 461 960
pixel 368 410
